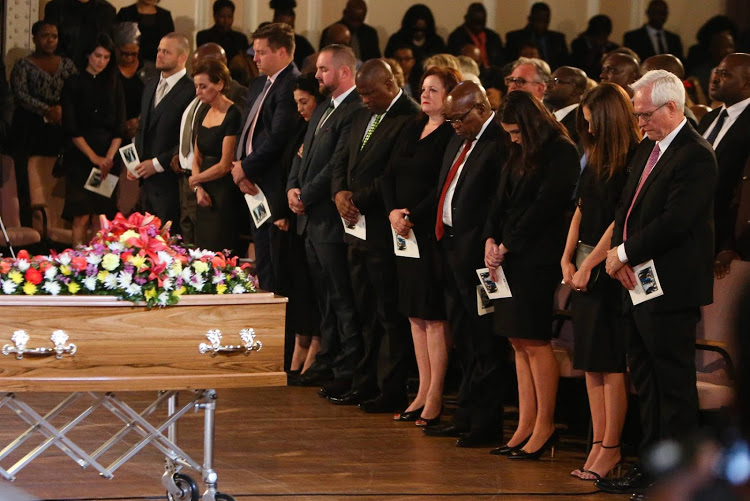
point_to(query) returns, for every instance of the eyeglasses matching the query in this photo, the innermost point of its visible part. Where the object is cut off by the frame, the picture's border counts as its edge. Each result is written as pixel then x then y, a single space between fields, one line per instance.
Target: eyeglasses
pixel 128 54
pixel 647 116
pixel 461 119
pixel 519 81
pixel 721 73
pixel 557 81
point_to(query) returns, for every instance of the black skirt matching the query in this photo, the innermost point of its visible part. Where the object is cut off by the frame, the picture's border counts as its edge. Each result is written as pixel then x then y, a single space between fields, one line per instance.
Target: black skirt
pixel 420 283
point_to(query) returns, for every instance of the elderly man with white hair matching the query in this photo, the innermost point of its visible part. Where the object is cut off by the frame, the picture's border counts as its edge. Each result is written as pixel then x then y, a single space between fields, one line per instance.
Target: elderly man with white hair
pixel 529 74
pixel 665 223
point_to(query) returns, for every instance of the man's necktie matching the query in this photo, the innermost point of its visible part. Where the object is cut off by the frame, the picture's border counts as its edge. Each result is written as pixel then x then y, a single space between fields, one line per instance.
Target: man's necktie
pixel 161 91
pixel 187 130
pixel 372 128
pixel 652 159
pixel 661 45
pixel 717 128
pixel 325 116
pixel 242 145
pixel 439 227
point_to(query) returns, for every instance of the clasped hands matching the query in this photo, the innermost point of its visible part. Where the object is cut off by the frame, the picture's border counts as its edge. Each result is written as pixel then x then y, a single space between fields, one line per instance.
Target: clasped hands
pixel 575 279
pixel 399 219
pixel 619 270
pixel 494 255
pixel 346 207
pixel 243 183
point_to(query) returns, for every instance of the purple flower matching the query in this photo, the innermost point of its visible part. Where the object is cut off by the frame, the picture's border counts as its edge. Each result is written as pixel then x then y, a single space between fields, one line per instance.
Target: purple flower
pixel 128 268
pixel 140 280
pixel 91 270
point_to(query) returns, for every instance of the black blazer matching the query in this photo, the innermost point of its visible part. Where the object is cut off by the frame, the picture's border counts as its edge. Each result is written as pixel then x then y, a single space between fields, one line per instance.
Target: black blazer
pixel 531 218
pixel 360 171
pixel 742 228
pixel 672 220
pixel 640 42
pixel 369 45
pixel 312 173
pixel 460 37
pixel 731 155
pixel 569 121
pixel 557 49
pixel 276 120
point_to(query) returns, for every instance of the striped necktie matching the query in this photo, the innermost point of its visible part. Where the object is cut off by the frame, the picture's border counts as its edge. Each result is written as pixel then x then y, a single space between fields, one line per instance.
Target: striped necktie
pixel 372 128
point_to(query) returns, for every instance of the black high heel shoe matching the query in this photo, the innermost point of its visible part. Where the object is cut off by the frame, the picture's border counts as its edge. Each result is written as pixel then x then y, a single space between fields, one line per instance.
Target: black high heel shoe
pixel 424 422
pixel 409 416
pixel 549 444
pixel 577 472
pixel 507 449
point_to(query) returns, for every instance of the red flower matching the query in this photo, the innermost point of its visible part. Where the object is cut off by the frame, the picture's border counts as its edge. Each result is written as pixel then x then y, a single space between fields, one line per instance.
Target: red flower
pixel 219 261
pixel 23 254
pixel 44 266
pixel 79 263
pixel 4 267
pixel 34 276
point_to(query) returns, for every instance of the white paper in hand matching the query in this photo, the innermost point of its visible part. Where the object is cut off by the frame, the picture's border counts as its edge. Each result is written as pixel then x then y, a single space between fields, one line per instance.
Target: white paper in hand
pixel 101 186
pixel 647 285
pixel 405 246
pixel 259 208
pixel 129 156
pixel 358 229
pixel 494 290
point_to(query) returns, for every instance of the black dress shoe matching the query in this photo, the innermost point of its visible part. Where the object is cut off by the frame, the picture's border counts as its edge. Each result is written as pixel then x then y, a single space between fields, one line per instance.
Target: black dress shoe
pixel 507 449
pixel 640 496
pixel 446 430
pixel 549 444
pixel 353 397
pixel 335 388
pixel 382 404
pixel 477 439
pixel 634 482
pixel 314 378
pixel 292 378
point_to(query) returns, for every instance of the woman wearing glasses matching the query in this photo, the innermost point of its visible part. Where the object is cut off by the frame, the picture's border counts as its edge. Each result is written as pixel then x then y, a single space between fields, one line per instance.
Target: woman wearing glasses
pixel 525 235
pixel 610 134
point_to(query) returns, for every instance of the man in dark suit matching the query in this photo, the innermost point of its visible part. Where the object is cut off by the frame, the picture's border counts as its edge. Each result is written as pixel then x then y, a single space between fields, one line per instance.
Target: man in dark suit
pixel 742 227
pixel 666 216
pixel 673 65
pixel 652 38
pixel 726 128
pixel 381 373
pixel 364 42
pixel 467 184
pixel 309 196
pixel 474 31
pixel 158 136
pixel 269 119
pixel 562 95
pixel 551 44
pixel 621 69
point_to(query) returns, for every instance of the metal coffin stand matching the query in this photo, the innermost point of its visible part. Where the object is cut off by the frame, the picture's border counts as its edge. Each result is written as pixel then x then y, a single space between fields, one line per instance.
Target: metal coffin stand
pixel 121 347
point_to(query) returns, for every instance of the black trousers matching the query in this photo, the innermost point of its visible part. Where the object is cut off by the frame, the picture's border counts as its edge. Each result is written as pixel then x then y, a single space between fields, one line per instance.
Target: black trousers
pixel 482 356
pixel 385 332
pixel 661 356
pixel 340 336
pixel 162 199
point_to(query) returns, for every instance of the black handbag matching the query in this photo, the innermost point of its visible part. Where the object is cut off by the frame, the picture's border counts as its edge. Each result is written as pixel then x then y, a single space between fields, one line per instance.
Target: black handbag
pixel 582 252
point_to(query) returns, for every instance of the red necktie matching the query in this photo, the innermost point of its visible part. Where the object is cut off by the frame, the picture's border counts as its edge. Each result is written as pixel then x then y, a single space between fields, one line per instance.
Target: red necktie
pixel 652 159
pixel 439 228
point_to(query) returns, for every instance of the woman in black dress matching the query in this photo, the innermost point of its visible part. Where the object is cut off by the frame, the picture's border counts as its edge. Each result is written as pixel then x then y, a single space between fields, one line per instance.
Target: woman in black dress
pixel 94 119
pixel 526 235
pixel 133 73
pixel 153 21
pixel 410 193
pixel 610 133
pixel 216 138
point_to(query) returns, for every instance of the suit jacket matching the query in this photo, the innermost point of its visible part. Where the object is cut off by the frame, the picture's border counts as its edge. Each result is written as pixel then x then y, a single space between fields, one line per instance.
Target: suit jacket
pixel 312 173
pixel 557 49
pixel 360 171
pixel 569 121
pixel 460 37
pixel 369 45
pixel 731 154
pixel 672 220
pixel 742 228
pixel 640 42
pixel 276 120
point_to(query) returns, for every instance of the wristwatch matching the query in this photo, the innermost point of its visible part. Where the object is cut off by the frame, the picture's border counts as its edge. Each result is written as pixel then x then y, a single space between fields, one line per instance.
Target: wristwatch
pixel 195 190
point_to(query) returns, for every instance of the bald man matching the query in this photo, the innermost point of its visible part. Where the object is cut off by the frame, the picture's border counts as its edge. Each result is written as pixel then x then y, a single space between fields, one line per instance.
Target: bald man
pixel 379 381
pixel 562 95
pixel 364 38
pixel 467 183
pixel 726 128
pixel 620 69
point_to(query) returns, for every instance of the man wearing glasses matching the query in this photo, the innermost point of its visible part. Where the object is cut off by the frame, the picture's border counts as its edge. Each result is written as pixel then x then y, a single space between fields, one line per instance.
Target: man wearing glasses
pixel 665 215
pixel 620 69
pixel 563 93
pixel 529 74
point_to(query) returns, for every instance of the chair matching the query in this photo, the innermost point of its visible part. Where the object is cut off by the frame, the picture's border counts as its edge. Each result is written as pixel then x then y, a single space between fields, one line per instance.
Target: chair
pixel 47 195
pixel 18 235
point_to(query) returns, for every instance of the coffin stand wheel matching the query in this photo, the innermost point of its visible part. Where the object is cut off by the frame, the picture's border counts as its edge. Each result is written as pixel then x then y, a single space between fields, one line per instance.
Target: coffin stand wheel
pixel 220 496
pixel 188 487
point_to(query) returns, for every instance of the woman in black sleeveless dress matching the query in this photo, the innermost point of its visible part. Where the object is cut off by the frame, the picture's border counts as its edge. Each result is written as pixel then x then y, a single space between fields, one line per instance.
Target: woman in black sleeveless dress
pixel 211 180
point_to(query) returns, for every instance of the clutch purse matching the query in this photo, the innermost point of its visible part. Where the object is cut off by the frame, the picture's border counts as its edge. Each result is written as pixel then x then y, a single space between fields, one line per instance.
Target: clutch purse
pixel 582 252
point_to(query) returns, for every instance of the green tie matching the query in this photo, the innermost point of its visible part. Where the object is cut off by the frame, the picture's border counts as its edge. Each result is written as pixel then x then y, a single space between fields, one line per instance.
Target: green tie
pixel 371 130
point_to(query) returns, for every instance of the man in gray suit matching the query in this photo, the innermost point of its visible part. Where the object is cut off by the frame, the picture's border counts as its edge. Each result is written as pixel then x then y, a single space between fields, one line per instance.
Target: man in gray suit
pixel 309 196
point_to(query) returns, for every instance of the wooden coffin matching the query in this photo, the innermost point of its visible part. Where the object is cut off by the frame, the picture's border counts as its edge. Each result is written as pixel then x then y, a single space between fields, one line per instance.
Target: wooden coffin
pixel 122 346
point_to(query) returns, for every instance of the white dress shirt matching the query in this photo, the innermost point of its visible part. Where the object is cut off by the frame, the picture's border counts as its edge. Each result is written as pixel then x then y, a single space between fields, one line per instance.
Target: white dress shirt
pixel 563 112
pixel 733 112
pixel 654 35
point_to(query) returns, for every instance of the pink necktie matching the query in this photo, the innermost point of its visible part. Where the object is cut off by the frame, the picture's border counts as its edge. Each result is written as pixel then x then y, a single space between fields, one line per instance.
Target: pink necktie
pixel 652 159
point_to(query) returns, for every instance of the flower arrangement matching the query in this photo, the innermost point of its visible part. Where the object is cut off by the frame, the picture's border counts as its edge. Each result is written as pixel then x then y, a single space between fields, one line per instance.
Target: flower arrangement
pixel 132 258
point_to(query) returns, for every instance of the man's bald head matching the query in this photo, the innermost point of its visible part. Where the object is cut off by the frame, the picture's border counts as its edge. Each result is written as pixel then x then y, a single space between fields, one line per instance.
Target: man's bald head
pixel 338 33
pixel 467 109
pixel 666 62
pixel 620 69
pixel 730 81
pixel 376 85
pixel 209 50
pixel 566 87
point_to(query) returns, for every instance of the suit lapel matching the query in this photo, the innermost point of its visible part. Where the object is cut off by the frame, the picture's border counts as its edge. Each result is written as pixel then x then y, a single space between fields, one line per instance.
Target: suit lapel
pixel 738 128
pixel 664 162
pixel 708 120
pixel 164 104
pixel 310 143
pixel 450 155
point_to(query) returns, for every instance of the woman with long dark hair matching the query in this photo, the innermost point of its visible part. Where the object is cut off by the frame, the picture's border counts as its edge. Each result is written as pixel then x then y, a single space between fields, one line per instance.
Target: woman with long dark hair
pixel 418 33
pixel 610 133
pixel 94 120
pixel 525 234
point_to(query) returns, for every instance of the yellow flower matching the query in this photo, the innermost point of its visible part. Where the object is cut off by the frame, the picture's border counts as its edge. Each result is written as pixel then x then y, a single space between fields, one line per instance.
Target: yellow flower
pixel 29 288
pixel 150 293
pixel 179 292
pixel 64 269
pixel 128 235
pixel 221 288
pixel 102 275
pixel 16 276
pixel 200 267
pixel 73 287
pixel 138 261
pixel 110 262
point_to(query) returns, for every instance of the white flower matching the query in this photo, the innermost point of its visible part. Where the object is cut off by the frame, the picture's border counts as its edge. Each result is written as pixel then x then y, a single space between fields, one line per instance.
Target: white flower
pixel 63 259
pixel 167 284
pixel 174 270
pixel 94 259
pixel 9 287
pixel 128 235
pixel 116 246
pixel 238 289
pixel 186 274
pixel 218 278
pixel 163 298
pixel 200 253
pixel 50 273
pixel 90 283
pixel 52 288
pixel 165 257
pixel 110 281
pixel 200 267
pixel 22 265
pixel 198 282
pixel 134 290
pixel 124 279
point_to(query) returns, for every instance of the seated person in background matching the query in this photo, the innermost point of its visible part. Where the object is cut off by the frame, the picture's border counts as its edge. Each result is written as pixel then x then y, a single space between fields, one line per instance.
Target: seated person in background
pixel 469 69
pixel 587 50
pixel 417 32
pixel 283 12
pixel 398 74
pixel 405 59
pixel 652 39
pixel 551 44
pixel 364 41
pixel 562 95
pixel 721 45
pixel 233 42
pixel 474 31
pixel 621 69
pixel 335 34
